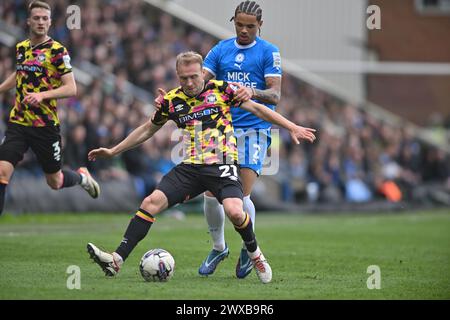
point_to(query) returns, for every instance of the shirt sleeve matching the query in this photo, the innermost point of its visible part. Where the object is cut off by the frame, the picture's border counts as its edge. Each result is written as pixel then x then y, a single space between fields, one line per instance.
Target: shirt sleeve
pixel 161 116
pixel 62 61
pixel 229 90
pixel 212 60
pixel 19 53
pixel 272 62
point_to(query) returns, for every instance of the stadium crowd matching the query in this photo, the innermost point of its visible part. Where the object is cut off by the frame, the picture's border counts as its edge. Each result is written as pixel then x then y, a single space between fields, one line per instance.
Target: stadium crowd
pixel 357 157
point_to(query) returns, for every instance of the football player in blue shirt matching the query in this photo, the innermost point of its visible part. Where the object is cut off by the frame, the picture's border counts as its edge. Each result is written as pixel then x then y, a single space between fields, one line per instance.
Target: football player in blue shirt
pixel 256 64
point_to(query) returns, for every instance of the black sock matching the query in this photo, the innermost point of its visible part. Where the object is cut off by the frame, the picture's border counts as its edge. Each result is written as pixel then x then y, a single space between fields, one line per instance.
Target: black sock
pixel 136 231
pixel 247 234
pixel 70 178
pixel 2 196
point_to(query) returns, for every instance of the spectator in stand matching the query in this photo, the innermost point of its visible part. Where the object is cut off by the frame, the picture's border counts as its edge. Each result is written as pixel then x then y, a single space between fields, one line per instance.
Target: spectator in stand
pixel 137 43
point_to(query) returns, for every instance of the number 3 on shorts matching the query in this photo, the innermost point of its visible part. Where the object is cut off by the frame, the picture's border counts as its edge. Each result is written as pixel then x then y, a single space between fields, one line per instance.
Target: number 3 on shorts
pixel 226 171
pixel 57 149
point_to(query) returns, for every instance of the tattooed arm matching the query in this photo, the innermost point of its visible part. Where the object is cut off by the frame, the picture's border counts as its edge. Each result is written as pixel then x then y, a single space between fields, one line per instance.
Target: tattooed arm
pixel 270 95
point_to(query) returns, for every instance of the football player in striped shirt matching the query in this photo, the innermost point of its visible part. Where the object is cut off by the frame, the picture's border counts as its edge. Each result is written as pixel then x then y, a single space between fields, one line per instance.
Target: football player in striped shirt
pixel 202 110
pixel 43 75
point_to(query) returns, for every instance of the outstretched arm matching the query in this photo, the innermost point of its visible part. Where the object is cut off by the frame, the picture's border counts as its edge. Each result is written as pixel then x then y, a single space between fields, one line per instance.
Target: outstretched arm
pixel 263 112
pixel 9 83
pixel 135 138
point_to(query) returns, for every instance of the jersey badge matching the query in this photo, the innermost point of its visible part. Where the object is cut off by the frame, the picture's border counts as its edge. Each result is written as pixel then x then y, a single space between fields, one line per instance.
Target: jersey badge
pixel 211 98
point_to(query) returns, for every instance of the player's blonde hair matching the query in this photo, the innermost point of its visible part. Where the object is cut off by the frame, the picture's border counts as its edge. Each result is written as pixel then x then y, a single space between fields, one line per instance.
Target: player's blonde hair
pixel 38 4
pixel 186 58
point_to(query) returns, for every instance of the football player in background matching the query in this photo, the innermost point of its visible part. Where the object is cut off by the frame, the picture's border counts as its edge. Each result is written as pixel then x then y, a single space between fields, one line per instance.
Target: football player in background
pixel 43 75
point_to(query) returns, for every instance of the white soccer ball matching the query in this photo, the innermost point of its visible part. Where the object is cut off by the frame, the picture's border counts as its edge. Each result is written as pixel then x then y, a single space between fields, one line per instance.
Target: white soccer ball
pixel 157 265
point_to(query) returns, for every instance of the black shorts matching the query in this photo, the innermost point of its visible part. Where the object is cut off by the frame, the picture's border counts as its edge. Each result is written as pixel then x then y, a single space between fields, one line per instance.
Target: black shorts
pixel 44 141
pixel 186 181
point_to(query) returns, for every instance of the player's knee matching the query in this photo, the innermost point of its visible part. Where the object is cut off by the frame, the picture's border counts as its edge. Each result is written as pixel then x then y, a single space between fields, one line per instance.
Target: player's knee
pixel 151 204
pixel 53 185
pixel 209 194
pixel 236 214
pixel 5 175
pixel 54 182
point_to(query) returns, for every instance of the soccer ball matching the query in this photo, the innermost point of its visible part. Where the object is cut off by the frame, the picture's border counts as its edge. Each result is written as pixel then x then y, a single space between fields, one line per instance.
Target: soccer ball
pixel 157 265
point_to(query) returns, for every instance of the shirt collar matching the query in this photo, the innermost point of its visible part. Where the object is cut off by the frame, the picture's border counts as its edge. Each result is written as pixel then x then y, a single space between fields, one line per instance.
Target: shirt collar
pixel 39 44
pixel 240 46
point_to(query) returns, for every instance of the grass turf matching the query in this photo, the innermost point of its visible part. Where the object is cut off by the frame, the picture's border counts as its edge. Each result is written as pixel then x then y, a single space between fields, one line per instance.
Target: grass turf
pixel 312 257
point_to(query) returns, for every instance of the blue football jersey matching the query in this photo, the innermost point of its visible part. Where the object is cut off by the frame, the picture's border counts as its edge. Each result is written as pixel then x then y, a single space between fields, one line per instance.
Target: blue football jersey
pixel 248 65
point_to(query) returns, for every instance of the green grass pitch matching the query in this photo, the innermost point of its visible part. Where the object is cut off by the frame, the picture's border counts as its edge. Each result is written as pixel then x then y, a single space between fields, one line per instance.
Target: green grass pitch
pixel 312 257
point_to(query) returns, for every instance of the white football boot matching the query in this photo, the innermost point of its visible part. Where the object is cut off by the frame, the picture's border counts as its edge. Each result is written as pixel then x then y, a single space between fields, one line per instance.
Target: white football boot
pixel 88 183
pixel 261 266
pixel 109 262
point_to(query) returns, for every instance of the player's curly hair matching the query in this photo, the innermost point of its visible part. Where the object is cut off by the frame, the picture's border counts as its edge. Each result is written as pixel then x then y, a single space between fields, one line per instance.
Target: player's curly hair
pixel 248 7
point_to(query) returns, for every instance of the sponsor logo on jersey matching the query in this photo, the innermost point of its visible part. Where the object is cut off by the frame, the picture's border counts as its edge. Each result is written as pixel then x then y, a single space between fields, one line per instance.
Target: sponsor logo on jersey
pixel 242 78
pixel 29 68
pixel 238 76
pixel 198 115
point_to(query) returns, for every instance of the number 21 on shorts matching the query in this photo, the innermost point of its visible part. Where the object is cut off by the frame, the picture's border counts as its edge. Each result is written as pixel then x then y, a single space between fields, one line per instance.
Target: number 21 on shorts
pixel 226 171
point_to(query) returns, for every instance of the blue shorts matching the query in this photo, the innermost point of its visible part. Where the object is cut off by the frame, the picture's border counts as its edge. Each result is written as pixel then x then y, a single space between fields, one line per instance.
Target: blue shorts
pixel 252 147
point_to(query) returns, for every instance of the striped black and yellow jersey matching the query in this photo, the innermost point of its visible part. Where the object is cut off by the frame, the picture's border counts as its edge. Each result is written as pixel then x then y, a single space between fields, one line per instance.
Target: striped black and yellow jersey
pixel 39 68
pixel 206 118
